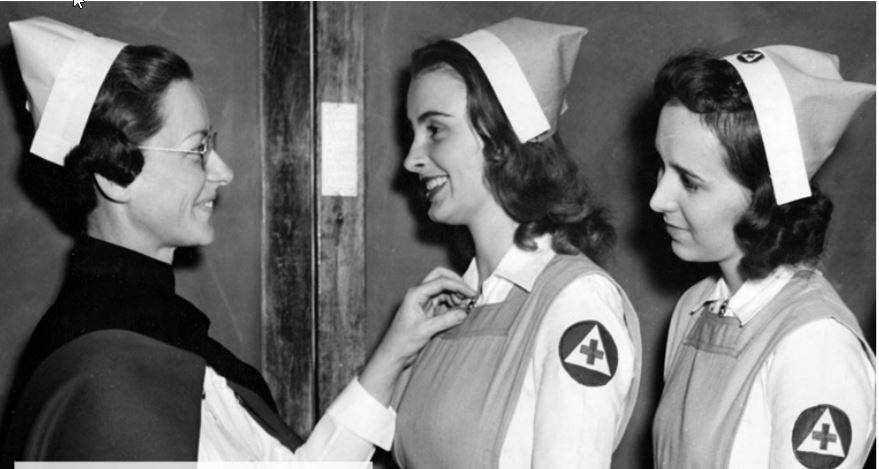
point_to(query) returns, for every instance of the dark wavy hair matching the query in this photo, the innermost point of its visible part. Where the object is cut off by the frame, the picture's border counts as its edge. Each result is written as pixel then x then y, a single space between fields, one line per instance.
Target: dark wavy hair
pixel 770 235
pixel 127 111
pixel 536 183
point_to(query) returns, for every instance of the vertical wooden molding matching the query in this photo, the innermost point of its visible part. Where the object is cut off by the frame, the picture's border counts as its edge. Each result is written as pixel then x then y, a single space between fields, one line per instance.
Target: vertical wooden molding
pixel 288 357
pixel 341 318
pixel 314 290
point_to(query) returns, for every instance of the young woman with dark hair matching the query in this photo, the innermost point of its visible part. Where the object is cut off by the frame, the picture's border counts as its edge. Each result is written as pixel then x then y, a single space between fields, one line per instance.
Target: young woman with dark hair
pixel 536 183
pixel 544 372
pixel 121 368
pixel 769 234
pixel 765 366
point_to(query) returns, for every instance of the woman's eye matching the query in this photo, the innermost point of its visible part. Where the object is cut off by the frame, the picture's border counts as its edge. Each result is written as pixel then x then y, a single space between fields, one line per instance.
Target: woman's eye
pixel 198 157
pixel 688 183
pixel 433 130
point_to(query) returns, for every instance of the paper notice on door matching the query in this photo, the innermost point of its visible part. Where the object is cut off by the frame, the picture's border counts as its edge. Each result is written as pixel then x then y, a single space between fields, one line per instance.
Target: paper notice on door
pixel 338 155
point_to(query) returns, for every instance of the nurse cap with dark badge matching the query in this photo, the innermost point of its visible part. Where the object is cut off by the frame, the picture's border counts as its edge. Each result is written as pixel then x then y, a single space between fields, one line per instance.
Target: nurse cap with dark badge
pixel 63 68
pixel 529 65
pixel 803 106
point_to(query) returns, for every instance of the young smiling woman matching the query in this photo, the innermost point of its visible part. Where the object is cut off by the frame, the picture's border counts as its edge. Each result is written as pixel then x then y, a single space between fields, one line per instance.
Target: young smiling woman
pixel 447 156
pixel 545 369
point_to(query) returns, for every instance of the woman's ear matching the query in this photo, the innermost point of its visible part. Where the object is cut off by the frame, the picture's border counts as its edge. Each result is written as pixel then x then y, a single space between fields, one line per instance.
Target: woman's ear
pixel 112 191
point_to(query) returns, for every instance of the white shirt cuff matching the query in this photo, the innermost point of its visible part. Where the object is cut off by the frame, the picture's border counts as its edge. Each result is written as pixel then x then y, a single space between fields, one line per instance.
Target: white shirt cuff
pixel 359 412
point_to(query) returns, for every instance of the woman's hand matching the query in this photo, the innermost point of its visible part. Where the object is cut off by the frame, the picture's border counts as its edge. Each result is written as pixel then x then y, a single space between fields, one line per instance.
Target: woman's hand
pixel 432 307
pixel 427 309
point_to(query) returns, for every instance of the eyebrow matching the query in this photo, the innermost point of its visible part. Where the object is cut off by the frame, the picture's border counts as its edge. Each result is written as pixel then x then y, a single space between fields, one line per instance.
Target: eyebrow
pixel 203 132
pixel 428 114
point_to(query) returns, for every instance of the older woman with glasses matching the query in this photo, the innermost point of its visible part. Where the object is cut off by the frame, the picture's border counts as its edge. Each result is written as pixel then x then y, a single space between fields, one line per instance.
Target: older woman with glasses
pixel 121 368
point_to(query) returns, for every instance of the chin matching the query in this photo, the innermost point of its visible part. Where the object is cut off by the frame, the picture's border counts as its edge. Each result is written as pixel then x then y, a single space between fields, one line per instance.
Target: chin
pixel 684 254
pixel 207 239
pixel 693 255
pixel 437 216
pixel 203 237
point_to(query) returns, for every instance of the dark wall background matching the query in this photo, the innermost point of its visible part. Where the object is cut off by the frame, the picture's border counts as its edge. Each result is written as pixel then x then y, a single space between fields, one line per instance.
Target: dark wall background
pixel 609 129
pixel 221 43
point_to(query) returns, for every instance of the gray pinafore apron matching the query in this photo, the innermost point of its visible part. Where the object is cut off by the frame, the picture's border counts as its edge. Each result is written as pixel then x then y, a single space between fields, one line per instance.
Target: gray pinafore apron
pixel 715 361
pixel 458 401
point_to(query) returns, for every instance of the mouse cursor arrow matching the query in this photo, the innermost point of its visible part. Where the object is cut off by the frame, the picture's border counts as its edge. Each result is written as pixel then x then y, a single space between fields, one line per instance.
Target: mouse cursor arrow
pixel 78 3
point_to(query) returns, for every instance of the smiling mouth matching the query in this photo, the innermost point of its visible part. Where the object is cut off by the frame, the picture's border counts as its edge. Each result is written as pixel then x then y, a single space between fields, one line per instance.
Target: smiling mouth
pixel 434 184
pixel 206 205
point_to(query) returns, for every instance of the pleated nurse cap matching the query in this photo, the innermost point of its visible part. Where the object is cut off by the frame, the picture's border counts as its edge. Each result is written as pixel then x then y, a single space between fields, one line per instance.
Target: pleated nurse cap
pixel 803 106
pixel 529 65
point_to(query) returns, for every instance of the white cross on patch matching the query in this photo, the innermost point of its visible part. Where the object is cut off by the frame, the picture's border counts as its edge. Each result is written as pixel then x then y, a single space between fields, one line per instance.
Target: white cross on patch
pixel 823 438
pixel 590 353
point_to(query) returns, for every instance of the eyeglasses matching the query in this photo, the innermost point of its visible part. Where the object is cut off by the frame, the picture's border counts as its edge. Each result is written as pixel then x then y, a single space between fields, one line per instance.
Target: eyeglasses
pixel 204 149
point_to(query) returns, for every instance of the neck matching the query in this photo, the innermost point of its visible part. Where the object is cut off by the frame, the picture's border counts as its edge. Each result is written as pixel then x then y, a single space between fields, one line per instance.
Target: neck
pixel 105 227
pixel 492 238
pixel 730 271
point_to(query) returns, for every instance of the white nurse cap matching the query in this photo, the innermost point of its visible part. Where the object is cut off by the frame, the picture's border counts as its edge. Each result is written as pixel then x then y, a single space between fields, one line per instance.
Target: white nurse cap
pixel 803 106
pixel 63 68
pixel 529 65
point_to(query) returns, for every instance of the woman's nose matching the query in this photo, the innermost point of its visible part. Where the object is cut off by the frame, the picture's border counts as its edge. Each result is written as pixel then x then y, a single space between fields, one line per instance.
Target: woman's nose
pixel 218 171
pixel 662 200
pixel 415 159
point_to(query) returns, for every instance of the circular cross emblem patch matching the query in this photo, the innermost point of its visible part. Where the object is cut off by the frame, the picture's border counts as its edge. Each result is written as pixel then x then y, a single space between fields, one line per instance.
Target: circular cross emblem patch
pixel 588 353
pixel 750 56
pixel 821 437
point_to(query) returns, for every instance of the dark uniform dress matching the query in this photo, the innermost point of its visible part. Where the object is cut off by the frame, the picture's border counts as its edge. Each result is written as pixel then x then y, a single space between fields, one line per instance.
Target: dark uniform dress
pixel 114 370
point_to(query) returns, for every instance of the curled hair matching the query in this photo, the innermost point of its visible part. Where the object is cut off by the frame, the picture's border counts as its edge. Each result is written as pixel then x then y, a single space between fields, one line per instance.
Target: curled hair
pixel 127 111
pixel 769 235
pixel 536 183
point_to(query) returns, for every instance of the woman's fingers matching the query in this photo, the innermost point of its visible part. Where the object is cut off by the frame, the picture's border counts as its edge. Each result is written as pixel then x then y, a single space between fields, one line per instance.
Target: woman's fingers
pixel 431 288
pixel 446 301
pixel 451 299
pixel 425 310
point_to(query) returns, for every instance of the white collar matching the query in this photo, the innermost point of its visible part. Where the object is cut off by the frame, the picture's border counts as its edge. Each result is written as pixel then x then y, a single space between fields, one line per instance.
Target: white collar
pixel 518 266
pixel 752 296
